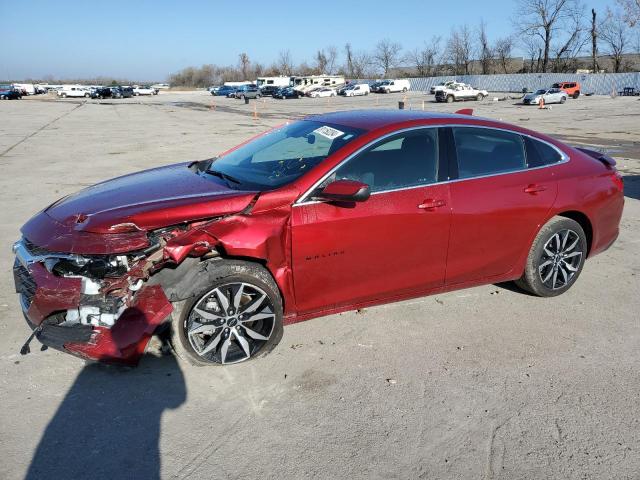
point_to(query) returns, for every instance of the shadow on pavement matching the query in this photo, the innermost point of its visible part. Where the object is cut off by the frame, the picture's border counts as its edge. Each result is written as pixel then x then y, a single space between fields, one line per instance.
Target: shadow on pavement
pixel 108 425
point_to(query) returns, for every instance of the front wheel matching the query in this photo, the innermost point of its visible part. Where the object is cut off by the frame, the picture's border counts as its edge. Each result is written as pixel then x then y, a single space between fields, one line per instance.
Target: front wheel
pixel 449 98
pixel 563 99
pixel 479 97
pixel 404 90
pixel 556 258
pixel 234 315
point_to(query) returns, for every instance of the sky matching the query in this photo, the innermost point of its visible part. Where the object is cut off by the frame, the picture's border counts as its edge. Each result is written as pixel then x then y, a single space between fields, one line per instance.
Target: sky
pixel 148 40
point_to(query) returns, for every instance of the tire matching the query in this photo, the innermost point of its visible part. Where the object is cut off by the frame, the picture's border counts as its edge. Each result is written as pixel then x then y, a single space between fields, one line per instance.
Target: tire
pixel 366 93
pixel 563 99
pixel 576 95
pixel 450 99
pixel 404 90
pixel 548 275
pixel 64 95
pixel 86 95
pixel 217 280
pixel 479 97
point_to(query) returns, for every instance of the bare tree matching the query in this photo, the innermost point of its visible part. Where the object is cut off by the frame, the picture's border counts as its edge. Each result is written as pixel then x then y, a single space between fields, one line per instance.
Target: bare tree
pixel 502 51
pixel 425 59
pixel 459 47
pixel 332 57
pixel 614 32
pixel 533 47
pixel 362 63
pixel 485 53
pixel 387 55
pixel 631 9
pixel 244 63
pixel 544 18
pixel 285 65
pixel 349 57
pixel 567 51
pixel 594 42
pixel 321 62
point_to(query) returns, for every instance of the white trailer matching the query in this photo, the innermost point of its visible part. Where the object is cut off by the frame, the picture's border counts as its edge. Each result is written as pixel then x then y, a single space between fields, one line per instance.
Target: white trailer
pixel 273 81
pixel 26 88
pixel 237 84
pixel 308 82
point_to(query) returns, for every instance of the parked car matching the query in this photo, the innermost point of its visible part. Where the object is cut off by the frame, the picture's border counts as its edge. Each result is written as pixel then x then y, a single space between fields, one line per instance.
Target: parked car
pixel 549 95
pixel 289 226
pixel 268 90
pixel 224 91
pixel 8 92
pixel 572 88
pixel 101 92
pixel 144 90
pixel 74 91
pixel 460 92
pixel 121 92
pixel 393 86
pixel 160 86
pixel 287 92
pixel 213 89
pixel 322 92
pixel 247 91
pixel 357 90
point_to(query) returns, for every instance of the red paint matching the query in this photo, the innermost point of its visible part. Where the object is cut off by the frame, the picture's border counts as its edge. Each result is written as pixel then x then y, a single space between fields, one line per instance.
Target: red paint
pixel 325 257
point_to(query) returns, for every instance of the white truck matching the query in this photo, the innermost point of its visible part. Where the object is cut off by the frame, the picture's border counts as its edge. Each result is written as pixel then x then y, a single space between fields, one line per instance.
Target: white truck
pixel 442 86
pixel 393 86
pixel 74 91
pixel 460 92
pixel 25 88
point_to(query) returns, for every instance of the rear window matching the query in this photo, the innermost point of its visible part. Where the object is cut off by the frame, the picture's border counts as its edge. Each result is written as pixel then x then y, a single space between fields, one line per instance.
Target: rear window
pixel 486 151
pixel 540 154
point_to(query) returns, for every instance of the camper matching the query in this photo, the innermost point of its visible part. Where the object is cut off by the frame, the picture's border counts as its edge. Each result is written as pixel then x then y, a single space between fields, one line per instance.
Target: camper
pixel 237 84
pixel 272 82
pixel 25 88
pixel 305 83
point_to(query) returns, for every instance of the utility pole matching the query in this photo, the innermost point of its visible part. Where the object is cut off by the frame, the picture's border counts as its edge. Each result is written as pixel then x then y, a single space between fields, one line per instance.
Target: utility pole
pixel 594 42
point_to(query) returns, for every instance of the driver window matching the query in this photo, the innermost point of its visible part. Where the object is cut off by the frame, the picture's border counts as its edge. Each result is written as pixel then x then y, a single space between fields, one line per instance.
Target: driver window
pixel 403 160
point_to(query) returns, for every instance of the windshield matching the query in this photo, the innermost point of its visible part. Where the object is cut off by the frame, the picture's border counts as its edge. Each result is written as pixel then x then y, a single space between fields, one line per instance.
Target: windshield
pixel 281 156
pixel 541 92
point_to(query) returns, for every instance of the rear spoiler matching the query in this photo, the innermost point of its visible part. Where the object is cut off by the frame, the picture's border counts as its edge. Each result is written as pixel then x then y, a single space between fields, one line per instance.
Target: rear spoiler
pixel 465 111
pixel 603 157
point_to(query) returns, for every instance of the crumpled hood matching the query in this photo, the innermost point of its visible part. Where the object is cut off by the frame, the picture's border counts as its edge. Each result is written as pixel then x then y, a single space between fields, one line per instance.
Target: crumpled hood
pixel 150 199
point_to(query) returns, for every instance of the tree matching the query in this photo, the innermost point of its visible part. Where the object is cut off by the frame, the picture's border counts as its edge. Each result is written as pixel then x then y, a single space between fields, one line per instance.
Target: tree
pixel 285 65
pixel 631 9
pixel 332 57
pixel 594 42
pixel 426 59
pixel 387 55
pixel 459 50
pixel 614 32
pixel 244 65
pixel 349 54
pixel 321 62
pixel 566 52
pixel 485 53
pixel 543 19
pixel 502 50
pixel 533 47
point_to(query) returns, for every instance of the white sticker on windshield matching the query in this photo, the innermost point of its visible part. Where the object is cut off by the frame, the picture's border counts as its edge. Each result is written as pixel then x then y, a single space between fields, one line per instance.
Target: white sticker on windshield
pixel 330 133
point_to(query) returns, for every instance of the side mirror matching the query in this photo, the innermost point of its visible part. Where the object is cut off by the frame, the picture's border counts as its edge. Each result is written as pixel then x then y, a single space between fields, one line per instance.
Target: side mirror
pixel 344 191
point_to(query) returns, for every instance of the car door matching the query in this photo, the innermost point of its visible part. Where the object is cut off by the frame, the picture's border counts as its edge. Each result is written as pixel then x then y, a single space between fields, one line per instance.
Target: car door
pixel 393 243
pixel 497 203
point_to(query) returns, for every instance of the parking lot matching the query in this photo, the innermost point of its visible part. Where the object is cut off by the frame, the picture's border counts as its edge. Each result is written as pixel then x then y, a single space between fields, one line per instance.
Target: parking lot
pixel 487 382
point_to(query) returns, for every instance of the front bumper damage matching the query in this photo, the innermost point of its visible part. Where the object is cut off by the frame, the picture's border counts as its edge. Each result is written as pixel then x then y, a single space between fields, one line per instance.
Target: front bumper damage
pixel 109 320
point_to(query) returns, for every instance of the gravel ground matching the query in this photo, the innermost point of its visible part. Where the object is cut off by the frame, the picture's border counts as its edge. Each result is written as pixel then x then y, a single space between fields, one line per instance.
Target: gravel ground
pixel 486 382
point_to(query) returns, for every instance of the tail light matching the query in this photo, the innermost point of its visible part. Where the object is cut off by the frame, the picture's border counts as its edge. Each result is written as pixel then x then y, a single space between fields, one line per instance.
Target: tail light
pixel 618 181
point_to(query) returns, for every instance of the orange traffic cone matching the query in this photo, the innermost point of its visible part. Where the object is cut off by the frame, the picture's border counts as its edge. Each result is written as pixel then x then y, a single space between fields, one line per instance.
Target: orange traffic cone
pixel 541 104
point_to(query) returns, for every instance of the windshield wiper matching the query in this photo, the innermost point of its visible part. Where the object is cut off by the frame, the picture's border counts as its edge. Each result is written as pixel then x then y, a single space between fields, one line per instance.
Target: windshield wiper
pixel 224 176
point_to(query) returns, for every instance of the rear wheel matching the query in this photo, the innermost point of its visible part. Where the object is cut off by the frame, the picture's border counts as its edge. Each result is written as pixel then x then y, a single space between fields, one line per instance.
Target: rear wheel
pixel 479 97
pixel 556 258
pixel 576 95
pixel 449 98
pixel 234 315
pixel 563 99
pixel 404 90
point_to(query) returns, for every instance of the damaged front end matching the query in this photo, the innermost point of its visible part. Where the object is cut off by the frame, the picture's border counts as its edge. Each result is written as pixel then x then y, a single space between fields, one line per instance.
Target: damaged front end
pixel 98 307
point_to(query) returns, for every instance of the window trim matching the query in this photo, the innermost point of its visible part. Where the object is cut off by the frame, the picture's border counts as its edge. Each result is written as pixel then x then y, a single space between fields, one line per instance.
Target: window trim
pixel 450 162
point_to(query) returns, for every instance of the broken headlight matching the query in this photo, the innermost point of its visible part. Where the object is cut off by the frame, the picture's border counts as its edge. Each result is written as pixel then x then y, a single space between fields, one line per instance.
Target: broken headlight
pixel 93 267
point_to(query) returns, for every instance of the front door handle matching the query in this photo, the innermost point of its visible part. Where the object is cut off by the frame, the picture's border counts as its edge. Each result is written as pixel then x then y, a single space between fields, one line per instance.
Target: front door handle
pixel 533 189
pixel 431 204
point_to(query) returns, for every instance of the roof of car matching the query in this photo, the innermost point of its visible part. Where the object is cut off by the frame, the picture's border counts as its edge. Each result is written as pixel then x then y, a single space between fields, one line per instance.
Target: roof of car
pixel 372 119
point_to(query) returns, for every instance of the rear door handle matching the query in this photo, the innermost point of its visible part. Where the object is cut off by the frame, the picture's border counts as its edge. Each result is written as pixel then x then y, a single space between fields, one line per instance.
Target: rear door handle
pixel 533 189
pixel 431 205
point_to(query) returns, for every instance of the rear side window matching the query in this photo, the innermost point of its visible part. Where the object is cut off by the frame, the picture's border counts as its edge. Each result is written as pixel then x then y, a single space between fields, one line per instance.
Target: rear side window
pixel 485 151
pixel 540 154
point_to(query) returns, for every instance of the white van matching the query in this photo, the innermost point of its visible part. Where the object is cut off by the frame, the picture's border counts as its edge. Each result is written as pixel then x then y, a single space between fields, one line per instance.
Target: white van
pixel 25 88
pixel 391 86
pixel 74 91
pixel 356 90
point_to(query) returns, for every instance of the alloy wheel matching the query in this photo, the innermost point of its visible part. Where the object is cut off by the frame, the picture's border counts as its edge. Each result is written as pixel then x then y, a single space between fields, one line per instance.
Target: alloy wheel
pixel 561 258
pixel 230 323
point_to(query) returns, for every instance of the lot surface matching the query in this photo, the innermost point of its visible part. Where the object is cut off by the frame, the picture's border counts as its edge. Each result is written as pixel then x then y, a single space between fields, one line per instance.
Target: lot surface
pixel 481 383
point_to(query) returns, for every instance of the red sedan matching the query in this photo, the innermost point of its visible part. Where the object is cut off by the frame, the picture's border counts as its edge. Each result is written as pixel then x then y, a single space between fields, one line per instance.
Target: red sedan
pixel 330 213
